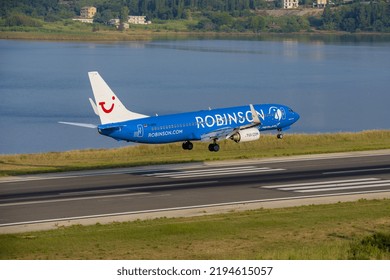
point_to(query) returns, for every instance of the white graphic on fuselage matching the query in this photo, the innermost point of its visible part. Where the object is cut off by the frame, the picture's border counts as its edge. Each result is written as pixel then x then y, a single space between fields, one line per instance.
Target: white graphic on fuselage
pixel 277 113
pixel 140 131
pixel 165 133
pixel 226 119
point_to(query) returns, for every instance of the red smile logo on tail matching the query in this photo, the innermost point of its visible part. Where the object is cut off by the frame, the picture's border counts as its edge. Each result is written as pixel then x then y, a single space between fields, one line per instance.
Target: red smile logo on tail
pixel 107 111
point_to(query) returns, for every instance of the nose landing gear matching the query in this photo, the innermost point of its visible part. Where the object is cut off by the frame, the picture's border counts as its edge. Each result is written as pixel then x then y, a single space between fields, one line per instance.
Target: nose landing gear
pixel 280 134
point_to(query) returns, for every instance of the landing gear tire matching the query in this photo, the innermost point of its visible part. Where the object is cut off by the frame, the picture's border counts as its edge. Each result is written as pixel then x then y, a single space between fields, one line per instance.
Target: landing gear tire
pixel 280 134
pixel 187 145
pixel 214 147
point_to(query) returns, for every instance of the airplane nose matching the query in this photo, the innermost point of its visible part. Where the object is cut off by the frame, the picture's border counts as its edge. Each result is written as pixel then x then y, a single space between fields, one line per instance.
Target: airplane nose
pixel 297 116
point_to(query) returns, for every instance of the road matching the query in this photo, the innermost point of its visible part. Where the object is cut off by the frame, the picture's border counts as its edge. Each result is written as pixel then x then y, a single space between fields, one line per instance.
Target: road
pixel 45 201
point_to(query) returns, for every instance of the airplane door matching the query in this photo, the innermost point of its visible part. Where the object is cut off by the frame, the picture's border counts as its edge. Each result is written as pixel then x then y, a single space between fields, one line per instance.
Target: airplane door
pixel 283 113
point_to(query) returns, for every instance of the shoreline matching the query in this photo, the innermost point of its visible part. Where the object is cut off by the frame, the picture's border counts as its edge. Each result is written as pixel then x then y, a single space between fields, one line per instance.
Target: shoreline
pixel 149 35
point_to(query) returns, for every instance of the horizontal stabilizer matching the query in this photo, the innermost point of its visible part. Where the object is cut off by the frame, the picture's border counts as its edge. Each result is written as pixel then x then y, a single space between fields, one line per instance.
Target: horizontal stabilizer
pixel 88 125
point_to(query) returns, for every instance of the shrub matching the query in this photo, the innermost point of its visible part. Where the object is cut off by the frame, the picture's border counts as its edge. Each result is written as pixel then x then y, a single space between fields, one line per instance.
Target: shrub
pixel 17 19
pixel 376 246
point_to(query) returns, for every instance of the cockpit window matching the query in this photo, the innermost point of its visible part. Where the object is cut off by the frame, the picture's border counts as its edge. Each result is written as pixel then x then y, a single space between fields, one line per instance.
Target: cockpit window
pixel 290 110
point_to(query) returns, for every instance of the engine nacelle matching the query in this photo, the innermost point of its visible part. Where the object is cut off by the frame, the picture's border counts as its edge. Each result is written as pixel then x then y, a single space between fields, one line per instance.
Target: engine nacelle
pixel 246 135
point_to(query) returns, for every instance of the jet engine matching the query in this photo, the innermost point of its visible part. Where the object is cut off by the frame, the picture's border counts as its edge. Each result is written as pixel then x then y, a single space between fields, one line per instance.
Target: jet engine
pixel 246 135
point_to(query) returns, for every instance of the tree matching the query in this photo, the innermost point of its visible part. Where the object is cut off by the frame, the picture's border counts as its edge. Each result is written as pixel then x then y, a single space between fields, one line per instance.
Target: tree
pixel 327 19
pixel 124 15
pixel 256 23
pixel 17 19
pixel 133 7
pixel 349 24
pixel 104 17
pixel 221 18
pixel 363 14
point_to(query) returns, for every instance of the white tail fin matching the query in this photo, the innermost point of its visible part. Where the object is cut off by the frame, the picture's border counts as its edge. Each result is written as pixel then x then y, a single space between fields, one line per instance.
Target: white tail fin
pixel 109 108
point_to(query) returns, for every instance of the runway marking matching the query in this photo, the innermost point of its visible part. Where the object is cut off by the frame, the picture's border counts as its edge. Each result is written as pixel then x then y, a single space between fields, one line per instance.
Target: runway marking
pixel 325 186
pixel 70 199
pixel 172 185
pixel 201 170
pixel 210 172
pixel 318 183
pixel 56 200
pixel 356 171
pixel 80 174
pixel 375 185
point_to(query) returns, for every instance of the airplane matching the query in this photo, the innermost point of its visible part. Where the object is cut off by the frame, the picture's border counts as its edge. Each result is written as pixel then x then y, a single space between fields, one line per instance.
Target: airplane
pixel 240 124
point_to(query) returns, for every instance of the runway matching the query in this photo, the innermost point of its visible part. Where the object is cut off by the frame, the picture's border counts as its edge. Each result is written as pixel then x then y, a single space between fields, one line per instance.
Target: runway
pixel 46 201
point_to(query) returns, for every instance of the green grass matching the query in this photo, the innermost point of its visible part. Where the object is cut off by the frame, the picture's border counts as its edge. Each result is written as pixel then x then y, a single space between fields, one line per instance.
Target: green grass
pixel 353 230
pixel 69 30
pixel 267 146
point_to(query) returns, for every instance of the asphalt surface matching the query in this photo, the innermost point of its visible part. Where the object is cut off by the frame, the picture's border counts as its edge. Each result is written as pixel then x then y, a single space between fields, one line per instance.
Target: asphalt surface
pixel 125 194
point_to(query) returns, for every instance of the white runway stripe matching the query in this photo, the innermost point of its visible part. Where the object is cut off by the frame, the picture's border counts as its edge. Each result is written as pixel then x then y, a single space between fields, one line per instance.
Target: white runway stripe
pixel 208 172
pixel 318 183
pixel 334 185
pixel 337 185
pixel 213 172
pixel 356 171
pixel 227 173
pixel 376 185
pixel 200 170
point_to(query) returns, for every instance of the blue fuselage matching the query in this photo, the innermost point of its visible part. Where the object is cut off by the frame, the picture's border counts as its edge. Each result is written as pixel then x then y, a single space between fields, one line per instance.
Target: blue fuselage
pixel 191 126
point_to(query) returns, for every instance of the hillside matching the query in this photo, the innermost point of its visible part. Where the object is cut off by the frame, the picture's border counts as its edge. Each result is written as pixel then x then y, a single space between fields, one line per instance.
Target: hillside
pixel 232 16
pixel 304 12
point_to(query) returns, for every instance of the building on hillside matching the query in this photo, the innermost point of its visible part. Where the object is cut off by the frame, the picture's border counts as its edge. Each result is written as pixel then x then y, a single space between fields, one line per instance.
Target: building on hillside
pixel 131 20
pixel 321 3
pixel 83 20
pixel 87 12
pixel 86 15
pixel 117 23
pixel 138 20
pixel 114 21
pixel 290 4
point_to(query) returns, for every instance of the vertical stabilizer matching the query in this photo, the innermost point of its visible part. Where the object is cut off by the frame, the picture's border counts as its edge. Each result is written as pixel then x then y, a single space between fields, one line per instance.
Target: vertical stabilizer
pixel 109 108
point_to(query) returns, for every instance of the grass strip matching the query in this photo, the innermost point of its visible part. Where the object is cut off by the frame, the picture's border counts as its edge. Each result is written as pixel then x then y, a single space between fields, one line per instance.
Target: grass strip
pixel 352 230
pixel 136 155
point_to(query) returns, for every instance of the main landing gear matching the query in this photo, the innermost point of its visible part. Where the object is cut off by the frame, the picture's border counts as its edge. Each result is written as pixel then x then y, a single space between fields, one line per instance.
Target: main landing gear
pixel 214 147
pixel 187 145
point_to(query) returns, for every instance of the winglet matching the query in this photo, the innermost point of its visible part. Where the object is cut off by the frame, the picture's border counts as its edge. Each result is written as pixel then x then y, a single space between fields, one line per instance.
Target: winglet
pixel 95 109
pixel 255 117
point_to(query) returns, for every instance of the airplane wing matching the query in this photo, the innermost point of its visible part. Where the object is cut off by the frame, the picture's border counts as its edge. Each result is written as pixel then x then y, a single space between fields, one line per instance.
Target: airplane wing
pixel 217 134
pixel 227 132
